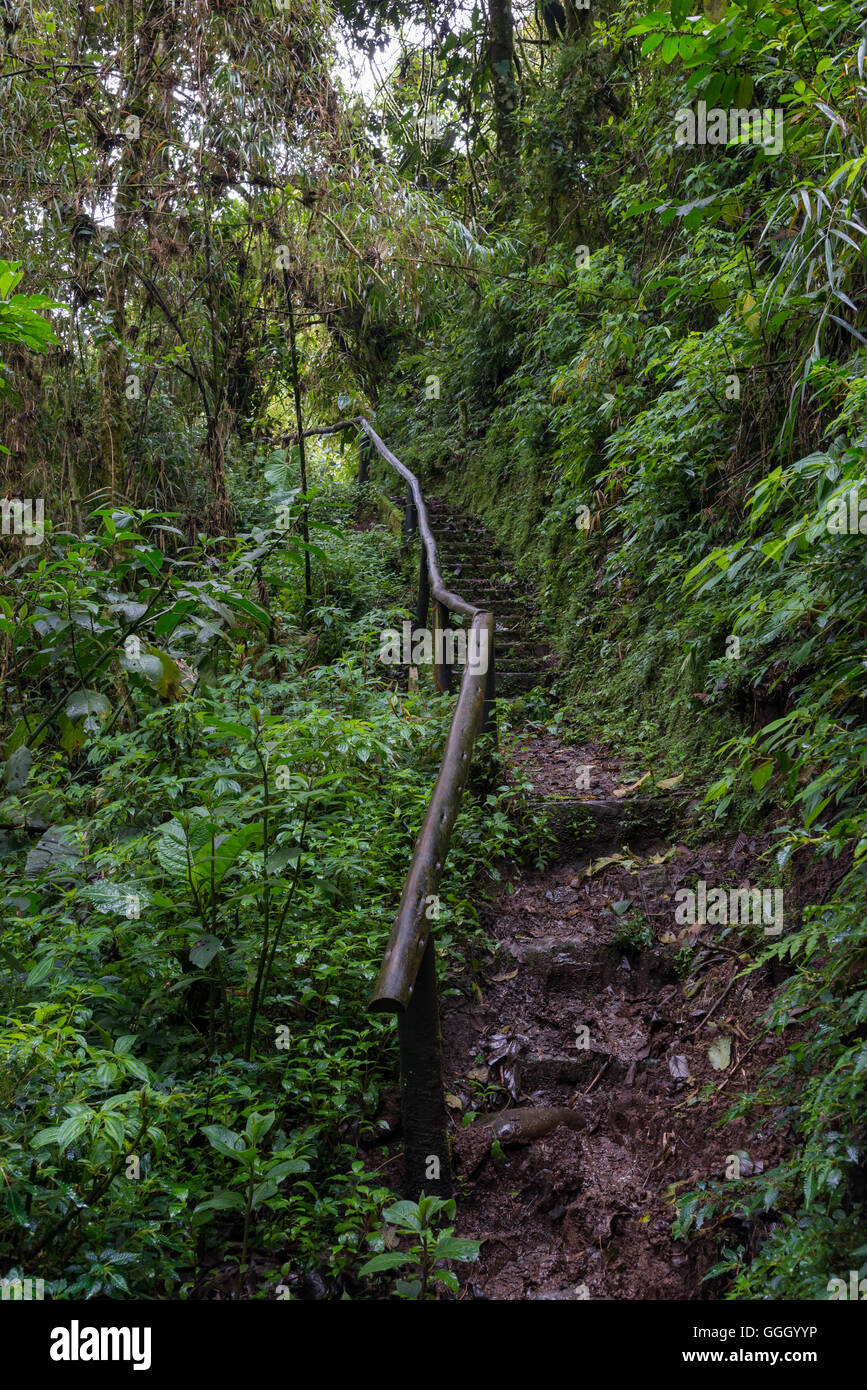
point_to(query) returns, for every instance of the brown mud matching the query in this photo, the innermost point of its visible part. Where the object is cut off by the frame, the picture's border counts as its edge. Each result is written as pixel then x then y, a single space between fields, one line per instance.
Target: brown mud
pixel 644 1030
pixel 590 1065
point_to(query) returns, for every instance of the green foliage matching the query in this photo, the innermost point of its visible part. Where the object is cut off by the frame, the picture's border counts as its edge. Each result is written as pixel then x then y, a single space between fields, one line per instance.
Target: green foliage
pixel 635 933
pixel 188 1060
pixel 656 392
pixel 21 322
pixel 429 1251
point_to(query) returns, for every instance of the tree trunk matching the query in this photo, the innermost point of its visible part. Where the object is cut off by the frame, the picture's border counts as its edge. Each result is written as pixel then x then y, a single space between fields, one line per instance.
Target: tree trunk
pixel 112 416
pixel 141 38
pixel 219 428
pixel 505 90
pixel 302 455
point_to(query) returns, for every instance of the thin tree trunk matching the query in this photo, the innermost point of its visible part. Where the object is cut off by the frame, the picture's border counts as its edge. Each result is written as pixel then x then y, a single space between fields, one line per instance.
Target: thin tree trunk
pixel 299 424
pixel 219 428
pixel 505 90
pixel 112 418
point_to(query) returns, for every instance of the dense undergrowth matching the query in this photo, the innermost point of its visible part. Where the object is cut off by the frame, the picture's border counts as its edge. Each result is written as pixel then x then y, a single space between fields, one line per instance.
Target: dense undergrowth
pixel 202 852
pixel 643 363
pixel 670 432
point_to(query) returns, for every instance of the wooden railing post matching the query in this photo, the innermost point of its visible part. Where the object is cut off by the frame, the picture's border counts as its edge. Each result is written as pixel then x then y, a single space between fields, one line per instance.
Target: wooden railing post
pixel 421 608
pixel 410 515
pixel 489 723
pixel 423 601
pixel 425 1129
pixel 442 669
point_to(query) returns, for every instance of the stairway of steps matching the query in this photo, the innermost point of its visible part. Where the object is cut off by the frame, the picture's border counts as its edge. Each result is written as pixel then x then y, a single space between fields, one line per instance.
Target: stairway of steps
pixel 565 1024
pixel 593 1052
pixel 474 566
pixel 588 1045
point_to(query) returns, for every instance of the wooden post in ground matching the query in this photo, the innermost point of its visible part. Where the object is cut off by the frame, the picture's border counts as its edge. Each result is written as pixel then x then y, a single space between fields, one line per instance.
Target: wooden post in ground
pixel 410 516
pixel 425 1129
pixel 363 458
pixel 442 669
pixel 489 723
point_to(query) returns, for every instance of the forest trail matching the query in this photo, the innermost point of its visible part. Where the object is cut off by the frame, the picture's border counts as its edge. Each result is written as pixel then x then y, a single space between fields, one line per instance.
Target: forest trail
pixel 649 1042
pixel 593 999
pixel 478 570
pixel 354 847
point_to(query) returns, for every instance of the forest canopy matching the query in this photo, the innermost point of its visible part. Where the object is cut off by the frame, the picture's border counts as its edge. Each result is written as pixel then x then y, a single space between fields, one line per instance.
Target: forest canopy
pixel 596 274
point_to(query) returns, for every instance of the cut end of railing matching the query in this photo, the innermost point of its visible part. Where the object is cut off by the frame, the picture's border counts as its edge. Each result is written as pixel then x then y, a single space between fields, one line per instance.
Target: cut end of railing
pixel 396 981
pixel 382 1004
pixel 406 985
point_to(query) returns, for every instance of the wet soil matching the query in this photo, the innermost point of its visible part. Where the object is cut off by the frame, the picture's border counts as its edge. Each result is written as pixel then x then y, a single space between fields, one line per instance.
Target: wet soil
pixel 590 1066
pixel 646 1031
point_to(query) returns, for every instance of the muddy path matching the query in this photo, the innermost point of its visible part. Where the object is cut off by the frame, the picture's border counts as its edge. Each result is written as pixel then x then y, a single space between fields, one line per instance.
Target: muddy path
pixel 591 1062
pixel 590 1066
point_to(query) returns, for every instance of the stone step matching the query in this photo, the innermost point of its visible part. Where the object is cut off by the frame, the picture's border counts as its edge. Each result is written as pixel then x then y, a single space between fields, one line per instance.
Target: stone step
pixel 513 667
pixel 516 685
pixel 472 565
pixel 541 1070
pixel 511 639
pixel 517 661
pixel 578 965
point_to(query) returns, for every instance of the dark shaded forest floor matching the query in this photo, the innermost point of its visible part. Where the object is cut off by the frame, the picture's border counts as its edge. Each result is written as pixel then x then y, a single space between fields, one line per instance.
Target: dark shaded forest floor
pixel 648 1036
pixel 591 1060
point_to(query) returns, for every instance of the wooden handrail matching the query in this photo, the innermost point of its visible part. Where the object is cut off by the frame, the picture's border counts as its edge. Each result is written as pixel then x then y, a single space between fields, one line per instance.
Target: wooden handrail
pixel 407 978
pixel 438 588
pixel 409 935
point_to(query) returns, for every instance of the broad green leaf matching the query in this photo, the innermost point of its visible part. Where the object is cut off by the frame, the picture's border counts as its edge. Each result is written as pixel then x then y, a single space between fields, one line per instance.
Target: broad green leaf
pixel 114 1128
pixel 211 865
pixel 203 950
pixel 263 1191
pixel 404 1214
pixel 72 1129
pixel 286 1167
pixel 227 1142
pixel 83 703
pixel 389 1259
pixel 173 841
pixel 16 769
pixel 40 970
pixel 258 1125
pixel 761 774
pixel 454 1248
pixel 55 850
pixel 46 1136
pixel 223 1201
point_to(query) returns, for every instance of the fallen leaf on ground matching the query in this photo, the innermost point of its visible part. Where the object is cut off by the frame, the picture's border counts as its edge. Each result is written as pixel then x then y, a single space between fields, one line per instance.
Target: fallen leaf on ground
pixel 598 866
pixel 624 791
